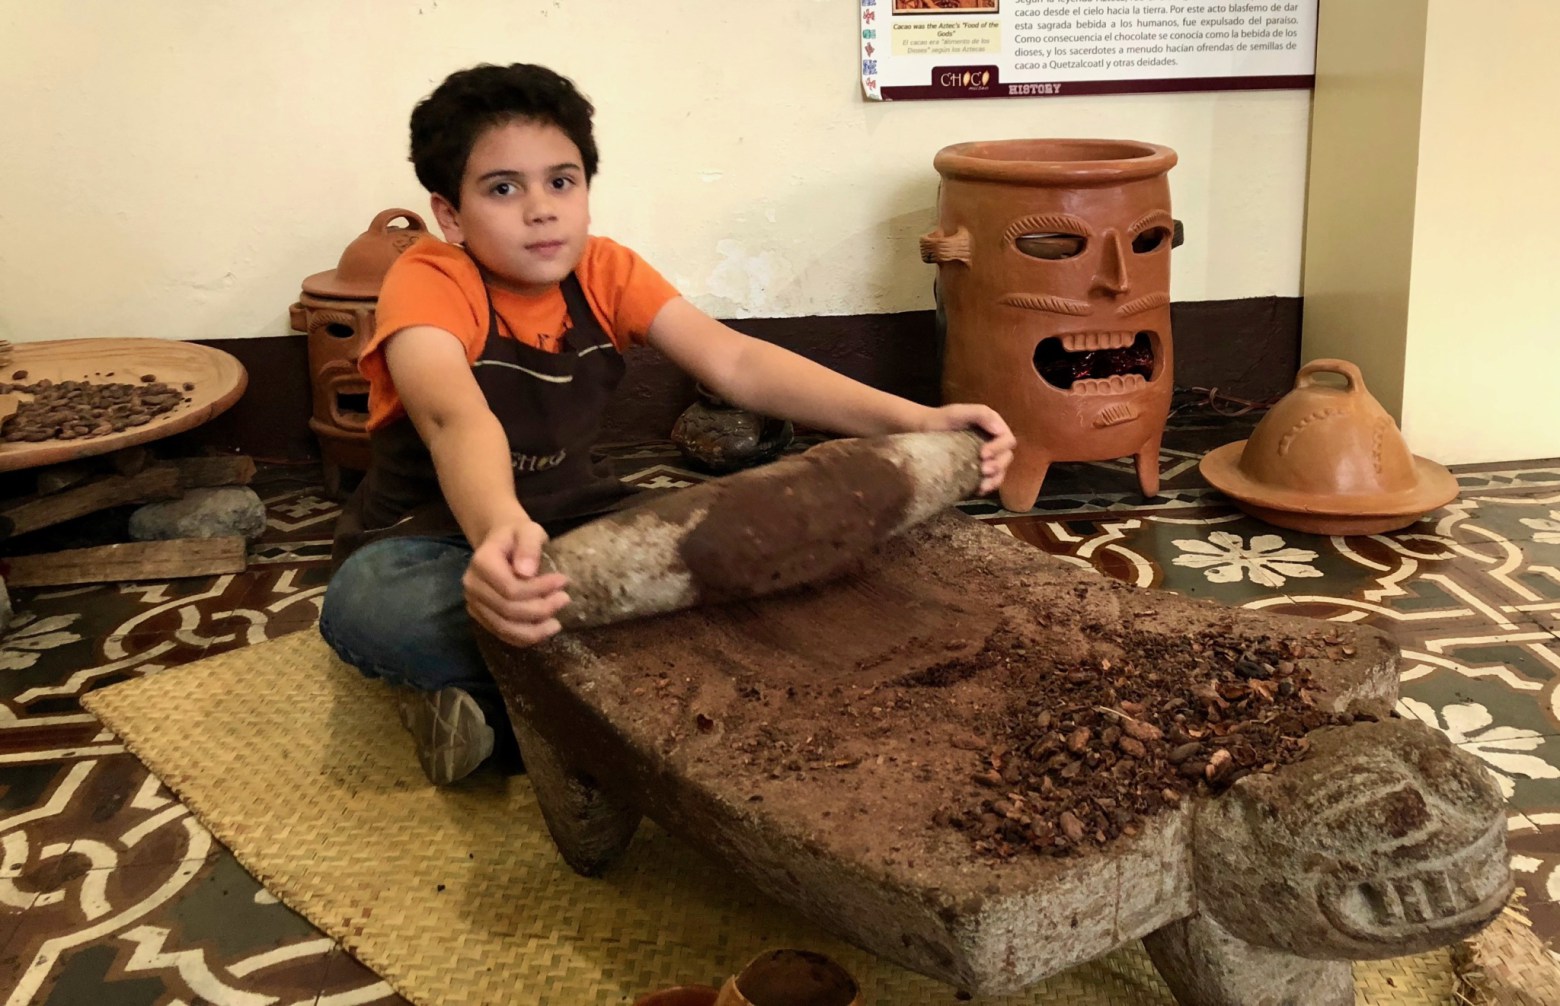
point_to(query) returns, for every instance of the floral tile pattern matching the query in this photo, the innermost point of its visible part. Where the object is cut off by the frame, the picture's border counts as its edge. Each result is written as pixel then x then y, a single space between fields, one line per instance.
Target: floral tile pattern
pixel 111 893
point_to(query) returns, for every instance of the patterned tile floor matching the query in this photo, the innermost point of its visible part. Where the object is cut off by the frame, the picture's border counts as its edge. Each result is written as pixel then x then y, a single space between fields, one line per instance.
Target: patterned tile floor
pixel 111 894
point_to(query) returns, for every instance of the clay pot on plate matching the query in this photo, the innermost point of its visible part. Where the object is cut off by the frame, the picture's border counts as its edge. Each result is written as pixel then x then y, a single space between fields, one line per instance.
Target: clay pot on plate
pixel 361 269
pixel 1329 460
pixel 1053 276
pixel 790 978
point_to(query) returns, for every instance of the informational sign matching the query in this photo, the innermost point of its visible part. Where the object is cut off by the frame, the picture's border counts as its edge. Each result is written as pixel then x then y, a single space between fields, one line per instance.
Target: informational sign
pixel 1016 48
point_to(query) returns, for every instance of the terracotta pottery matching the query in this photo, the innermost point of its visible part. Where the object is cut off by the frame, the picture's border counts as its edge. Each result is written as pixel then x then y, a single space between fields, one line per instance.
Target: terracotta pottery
pixel 1054 272
pixel 1329 460
pixel 790 978
pixel 365 261
pixel 682 995
pixel 212 381
pixel 336 310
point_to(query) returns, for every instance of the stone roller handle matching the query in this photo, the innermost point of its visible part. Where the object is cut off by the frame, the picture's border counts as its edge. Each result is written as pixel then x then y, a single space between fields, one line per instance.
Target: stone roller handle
pixel 800 520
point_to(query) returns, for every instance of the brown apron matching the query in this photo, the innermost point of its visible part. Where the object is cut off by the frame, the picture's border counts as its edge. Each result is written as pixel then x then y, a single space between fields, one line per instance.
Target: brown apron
pixel 550 405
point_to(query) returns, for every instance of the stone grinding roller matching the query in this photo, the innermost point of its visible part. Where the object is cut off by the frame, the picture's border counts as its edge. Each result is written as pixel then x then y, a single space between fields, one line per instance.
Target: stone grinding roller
pixel 800 520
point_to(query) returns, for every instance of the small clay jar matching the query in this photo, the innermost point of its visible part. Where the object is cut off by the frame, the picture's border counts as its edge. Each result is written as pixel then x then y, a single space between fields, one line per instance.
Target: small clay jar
pixel 1329 460
pixel 724 438
pixel 790 978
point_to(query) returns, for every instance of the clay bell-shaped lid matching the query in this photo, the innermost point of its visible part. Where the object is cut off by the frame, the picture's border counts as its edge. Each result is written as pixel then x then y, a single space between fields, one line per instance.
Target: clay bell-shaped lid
pixel 363 265
pixel 1330 460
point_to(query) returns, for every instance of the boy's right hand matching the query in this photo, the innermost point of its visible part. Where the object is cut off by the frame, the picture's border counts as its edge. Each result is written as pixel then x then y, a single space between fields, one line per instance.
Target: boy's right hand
pixel 503 591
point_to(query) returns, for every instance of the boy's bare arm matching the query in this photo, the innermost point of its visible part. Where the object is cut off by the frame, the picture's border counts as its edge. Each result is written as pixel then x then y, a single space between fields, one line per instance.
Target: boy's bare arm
pixel 470 452
pixel 471 456
pixel 767 379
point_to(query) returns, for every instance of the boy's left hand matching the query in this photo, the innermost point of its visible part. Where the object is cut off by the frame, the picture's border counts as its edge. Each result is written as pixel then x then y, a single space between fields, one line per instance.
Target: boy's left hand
pixel 997 453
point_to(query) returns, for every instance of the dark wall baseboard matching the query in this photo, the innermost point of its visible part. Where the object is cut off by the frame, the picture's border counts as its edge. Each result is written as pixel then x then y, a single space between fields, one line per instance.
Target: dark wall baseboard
pixel 1245 348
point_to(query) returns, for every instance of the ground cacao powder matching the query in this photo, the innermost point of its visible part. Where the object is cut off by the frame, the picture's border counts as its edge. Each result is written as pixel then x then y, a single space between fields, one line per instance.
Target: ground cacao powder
pixel 1083 750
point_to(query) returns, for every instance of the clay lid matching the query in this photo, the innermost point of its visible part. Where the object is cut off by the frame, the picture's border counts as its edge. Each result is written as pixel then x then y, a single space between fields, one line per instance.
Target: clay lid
pixel 363 265
pixel 1329 460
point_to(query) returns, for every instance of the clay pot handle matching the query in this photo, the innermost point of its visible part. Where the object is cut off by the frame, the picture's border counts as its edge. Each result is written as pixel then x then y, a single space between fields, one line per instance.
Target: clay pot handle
pixel 381 223
pixel 1343 368
pixel 938 247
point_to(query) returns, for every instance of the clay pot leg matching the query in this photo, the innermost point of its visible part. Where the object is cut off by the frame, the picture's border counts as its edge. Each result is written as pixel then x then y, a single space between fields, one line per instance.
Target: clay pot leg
pixel 1148 466
pixel 590 828
pixel 332 481
pixel 1205 966
pixel 1021 487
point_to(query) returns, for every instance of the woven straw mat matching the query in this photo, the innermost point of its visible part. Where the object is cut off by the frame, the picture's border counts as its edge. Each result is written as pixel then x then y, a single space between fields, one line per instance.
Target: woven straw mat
pixel 458 896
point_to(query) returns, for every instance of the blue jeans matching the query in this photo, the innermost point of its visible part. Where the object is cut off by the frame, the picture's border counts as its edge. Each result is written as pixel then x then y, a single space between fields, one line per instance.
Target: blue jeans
pixel 395 610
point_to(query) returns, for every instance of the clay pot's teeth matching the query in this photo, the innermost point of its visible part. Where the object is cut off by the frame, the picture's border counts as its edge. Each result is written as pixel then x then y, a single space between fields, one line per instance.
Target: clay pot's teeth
pixel 1136 380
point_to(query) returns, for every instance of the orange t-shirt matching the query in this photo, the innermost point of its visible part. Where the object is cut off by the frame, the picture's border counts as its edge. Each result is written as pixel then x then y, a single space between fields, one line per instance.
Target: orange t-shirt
pixel 436 283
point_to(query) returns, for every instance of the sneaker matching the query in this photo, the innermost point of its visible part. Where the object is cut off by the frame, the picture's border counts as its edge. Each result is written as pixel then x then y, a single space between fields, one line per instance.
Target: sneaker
pixel 452 735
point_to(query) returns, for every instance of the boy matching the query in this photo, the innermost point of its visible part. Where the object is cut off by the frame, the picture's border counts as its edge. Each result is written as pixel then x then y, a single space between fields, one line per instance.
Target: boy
pixel 493 359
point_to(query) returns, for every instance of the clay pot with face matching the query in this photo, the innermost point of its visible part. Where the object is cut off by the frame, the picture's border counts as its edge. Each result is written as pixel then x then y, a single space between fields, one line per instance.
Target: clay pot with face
pixel 1054 274
pixel 336 310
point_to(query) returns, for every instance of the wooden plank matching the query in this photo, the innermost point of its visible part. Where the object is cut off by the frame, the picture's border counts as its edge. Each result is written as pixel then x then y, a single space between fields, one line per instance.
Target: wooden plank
pixel 131 460
pixel 137 560
pixel 55 478
pixel 159 483
pixel 229 470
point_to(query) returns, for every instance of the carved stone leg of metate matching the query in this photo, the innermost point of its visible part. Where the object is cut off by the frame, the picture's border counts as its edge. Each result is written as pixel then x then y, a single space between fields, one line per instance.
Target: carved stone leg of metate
pixel 1147 459
pixel 590 828
pixel 1205 966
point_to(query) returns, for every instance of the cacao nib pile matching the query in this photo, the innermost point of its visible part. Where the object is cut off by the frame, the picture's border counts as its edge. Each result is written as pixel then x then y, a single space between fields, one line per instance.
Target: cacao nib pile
pixel 1086 752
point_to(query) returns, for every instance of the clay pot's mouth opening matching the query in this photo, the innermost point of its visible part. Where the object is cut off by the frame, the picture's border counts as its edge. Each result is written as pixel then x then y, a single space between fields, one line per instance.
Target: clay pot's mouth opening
pixel 1098 363
pixel 352 403
pixel 796 978
pixel 1058 150
pixel 1054 161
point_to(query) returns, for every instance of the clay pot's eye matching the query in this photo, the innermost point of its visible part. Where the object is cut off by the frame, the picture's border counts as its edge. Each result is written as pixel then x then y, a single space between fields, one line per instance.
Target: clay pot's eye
pixel 1050 246
pixel 1150 240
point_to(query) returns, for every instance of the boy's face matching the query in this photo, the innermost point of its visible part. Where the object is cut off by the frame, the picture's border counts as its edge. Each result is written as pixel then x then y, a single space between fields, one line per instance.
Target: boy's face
pixel 524 206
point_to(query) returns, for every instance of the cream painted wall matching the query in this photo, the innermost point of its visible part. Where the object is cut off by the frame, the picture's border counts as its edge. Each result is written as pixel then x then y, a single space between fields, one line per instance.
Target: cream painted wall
pixel 1484 322
pixel 1359 237
pixel 1429 241
pixel 174 168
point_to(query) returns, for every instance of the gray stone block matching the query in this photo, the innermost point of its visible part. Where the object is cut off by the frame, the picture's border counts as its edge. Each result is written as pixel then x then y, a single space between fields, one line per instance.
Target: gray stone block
pixel 202 513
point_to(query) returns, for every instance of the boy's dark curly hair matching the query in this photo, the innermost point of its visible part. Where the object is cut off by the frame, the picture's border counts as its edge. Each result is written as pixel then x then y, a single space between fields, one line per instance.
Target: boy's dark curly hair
pixel 446 124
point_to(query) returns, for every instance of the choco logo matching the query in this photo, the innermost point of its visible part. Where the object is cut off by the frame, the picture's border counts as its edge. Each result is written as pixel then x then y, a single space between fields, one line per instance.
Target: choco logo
pixel 964 79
